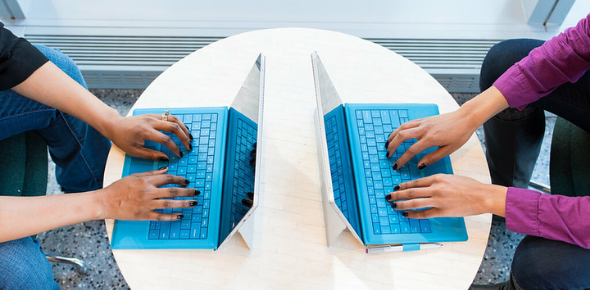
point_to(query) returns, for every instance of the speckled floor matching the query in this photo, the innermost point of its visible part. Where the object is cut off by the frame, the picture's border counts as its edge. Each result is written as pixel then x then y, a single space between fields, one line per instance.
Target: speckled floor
pixel 89 242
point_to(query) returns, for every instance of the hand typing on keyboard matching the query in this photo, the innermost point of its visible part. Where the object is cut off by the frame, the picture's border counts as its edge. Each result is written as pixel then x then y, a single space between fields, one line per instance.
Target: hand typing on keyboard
pixel 446 195
pixel 131 133
pixel 447 131
pixel 136 196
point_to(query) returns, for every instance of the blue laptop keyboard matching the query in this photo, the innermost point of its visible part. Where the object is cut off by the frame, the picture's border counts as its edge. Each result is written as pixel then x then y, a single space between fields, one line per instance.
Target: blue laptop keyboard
pixel 243 181
pixel 374 127
pixel 196 166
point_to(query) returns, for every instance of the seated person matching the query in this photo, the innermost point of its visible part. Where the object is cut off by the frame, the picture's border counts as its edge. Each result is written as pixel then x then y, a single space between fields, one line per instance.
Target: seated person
pixel 528 76
pixel 43 90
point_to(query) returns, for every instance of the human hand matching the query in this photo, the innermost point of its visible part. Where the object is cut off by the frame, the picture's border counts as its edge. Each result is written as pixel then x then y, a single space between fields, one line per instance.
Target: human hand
pixel 448 132
pixel 444 195
pixel 130 134
pixel 136 196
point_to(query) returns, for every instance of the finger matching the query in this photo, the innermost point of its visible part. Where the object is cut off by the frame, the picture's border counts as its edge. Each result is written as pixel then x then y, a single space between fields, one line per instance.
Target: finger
pixel 435 156
pixel 409 194
pixel 150 154
pixel 164 217
pixel 176 127
pixel 172 192
pixel 404 126
pixel 165 140
pixel 163 179
pixel 412 204
pixel 410 153
pixel 171 203
pixel 153 172
pixel 416 183
pixel 423 214
pixel 400 137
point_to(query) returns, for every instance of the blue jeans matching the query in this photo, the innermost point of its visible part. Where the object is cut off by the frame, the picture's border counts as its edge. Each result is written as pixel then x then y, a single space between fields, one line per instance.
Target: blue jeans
pixel 538 263
pixel 79 152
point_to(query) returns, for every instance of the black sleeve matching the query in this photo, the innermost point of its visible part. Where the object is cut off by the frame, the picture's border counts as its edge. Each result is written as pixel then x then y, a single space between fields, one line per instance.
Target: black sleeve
pixel 18 59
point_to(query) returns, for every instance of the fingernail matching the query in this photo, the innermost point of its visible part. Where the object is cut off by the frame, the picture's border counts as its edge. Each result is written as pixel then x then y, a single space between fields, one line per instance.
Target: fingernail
pixel 254 145
pixel 163 167
pixel 186 181
pixel 386 144
pixel 387 155
pixel 396 188
pixel 405 214
pixel 253 152
pixel 252 161
pixel 247 202
pixel 388 197
pixel 163 159
pixel 179 217
pixel 422 166
pixel 181 154
pixel 192 203
pixel 186 126
pixel 250 195
pixel 190 136
pixel 394 205
pixel 190 147
pixel 395 166
pixel 197 192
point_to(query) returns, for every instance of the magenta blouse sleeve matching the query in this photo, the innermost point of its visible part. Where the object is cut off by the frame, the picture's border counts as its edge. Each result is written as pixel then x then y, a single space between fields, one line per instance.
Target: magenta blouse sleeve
pixel 564 58
pixel 554 217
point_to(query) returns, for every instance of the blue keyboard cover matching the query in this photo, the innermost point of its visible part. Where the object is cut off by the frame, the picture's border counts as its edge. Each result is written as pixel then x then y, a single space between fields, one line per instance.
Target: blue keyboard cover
pixel 203 166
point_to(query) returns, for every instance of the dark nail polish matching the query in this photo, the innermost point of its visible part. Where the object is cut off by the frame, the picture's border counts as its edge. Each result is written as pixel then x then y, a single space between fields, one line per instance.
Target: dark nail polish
pixel 250 195
pixel 197 192
pixel 181 154
pixel 247 202
pixel 253 152
pixel 190 147
pixel 186 181
pixel 422 166
pixel 395 166
pixel 394 205
pixel 254 145
pixel 180 216
pixel 386 144
pixel 163 167
pixel 396 188
pixel 190 136
pixel 252 161
pixel 388 197
pixel 405 214
pixel 163 159
pixel 192 203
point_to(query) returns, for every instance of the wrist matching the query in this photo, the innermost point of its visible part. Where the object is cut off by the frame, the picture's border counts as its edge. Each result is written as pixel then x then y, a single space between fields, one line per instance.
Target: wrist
pixel 494 199
pixel 99 209
pixel 107 122
pixel 484 106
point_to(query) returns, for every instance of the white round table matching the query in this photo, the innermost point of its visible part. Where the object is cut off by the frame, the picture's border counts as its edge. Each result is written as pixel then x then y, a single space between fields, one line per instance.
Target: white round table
pixel 290 249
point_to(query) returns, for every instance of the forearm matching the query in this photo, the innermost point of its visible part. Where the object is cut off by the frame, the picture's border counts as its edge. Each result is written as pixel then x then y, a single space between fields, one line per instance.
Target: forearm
pixel 25 216
pixel 51 86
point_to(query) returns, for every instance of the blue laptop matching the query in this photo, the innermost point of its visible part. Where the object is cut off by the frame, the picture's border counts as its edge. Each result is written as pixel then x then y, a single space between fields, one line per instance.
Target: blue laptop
pixel 220 165
pixel 357 175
